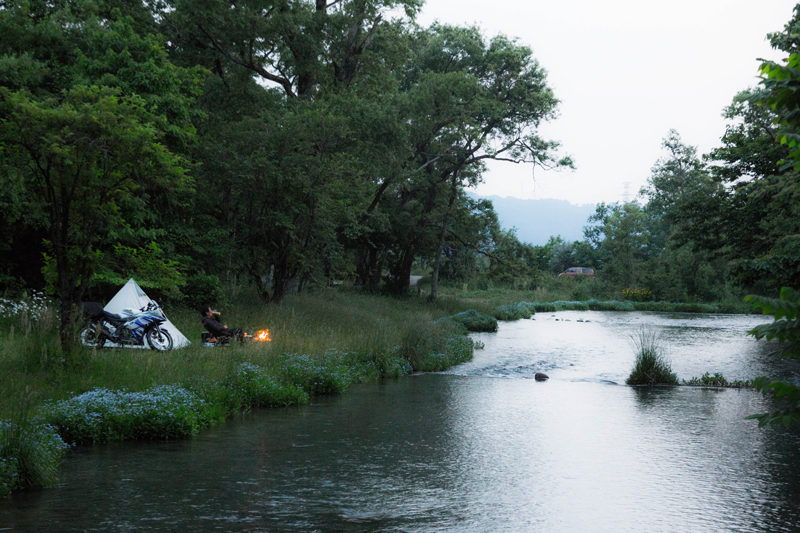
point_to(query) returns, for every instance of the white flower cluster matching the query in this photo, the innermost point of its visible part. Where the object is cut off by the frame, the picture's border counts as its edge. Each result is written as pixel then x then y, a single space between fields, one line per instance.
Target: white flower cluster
pixel 33 307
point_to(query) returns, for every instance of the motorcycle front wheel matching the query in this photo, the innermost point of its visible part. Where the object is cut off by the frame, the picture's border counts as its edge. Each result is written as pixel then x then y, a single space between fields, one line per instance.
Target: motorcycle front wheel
pixel 159 339
pixel 91 336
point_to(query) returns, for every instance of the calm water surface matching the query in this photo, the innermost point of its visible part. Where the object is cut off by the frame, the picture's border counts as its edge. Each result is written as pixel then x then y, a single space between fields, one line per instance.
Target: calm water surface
pixel 483 447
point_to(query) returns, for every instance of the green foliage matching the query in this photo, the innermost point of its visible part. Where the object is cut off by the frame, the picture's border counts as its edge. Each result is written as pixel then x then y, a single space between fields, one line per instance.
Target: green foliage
pixel 785 329
pixel 476 321
pixel 329 373
pixel 101 415
pixel 651 367
pixel 29 456
pixel 717 380
pixel 785 402
pixel 515 311
pixel 637 295
pixel 203 288
pixel 456 349
pixel 253 386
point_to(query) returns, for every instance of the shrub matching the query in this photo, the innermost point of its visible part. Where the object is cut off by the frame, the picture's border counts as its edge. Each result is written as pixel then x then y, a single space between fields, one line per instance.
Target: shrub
pixel 650 368
pixel 452 324
pixel 29 456
pixel 202 289
pixel 457 349
pixel 543 307
pixel 694 307
pixel 512 311
pixel 476 321
pixel 610 305
pixel 392 364
pixel 785 330
pixel 100 415
pixel 254 387
pixel 717 380
pixel 331 372
pixel 571 305
pixel 636 294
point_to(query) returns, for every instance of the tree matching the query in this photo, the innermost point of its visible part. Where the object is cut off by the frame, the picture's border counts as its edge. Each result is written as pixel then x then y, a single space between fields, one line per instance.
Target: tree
pixel 304 47
pixel 785 329
pixel 781 91
pixel 78 160
pixel 620 234
pixel 51 48
pixel 686 209
pixel 466 101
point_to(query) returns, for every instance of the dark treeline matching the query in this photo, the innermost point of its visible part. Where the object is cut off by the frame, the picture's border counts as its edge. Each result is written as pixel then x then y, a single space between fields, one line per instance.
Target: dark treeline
pixel 292 142
pixel 278 142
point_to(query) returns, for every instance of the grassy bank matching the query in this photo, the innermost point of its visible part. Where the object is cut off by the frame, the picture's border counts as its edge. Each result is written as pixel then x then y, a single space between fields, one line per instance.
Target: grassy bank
pixel 321 344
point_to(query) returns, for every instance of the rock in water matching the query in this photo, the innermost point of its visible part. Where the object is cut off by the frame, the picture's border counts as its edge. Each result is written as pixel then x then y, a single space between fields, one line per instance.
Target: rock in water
pixel 540 376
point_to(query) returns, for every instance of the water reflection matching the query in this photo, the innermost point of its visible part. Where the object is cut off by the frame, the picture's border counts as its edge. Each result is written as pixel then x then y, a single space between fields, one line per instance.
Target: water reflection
pixel 460 452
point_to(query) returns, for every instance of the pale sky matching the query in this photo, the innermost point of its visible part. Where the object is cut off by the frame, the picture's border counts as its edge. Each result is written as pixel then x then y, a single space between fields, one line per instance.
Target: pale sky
pixel 626 72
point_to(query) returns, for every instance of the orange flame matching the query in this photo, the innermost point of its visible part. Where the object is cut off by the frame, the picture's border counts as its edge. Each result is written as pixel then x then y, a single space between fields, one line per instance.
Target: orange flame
pixel 263 336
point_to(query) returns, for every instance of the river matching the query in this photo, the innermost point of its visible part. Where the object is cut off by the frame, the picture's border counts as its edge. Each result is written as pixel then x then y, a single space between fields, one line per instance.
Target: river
pixel 482 447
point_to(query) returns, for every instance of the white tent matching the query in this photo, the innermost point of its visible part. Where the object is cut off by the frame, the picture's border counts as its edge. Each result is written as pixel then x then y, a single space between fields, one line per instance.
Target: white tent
pixel 131 296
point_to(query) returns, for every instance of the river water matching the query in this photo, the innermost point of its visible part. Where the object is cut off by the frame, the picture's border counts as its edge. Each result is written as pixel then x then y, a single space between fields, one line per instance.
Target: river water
pixel 483 447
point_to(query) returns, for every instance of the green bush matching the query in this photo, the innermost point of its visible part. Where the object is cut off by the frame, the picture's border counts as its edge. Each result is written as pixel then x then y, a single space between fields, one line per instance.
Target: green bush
pixel 29 456
pixel 543 307
pixel 331 372
pixel 694 307
pixel 393 365
pixel 255 387
pixel 202 289
pixel 101 415
pixel 571 305
pixel 457 350
pixel 650 368
pixel 785 331
pixel 610 305
pixel 476 321
pixel 717 380
pixel 512 311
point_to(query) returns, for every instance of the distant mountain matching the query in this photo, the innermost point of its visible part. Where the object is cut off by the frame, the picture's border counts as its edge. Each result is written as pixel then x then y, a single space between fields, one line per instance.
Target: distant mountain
pixel 537 220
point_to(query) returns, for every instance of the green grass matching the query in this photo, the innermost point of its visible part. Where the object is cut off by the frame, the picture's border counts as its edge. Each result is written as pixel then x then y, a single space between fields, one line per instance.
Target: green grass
pixel 717 380
pixel 322 343
pixel 650 367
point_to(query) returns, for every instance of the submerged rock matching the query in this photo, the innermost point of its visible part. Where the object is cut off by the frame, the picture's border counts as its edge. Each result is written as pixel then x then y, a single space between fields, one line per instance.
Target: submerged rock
pixel 539 376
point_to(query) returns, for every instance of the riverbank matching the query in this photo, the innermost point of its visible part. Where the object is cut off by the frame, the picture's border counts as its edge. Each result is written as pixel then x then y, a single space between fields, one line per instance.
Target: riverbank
pixel 322 343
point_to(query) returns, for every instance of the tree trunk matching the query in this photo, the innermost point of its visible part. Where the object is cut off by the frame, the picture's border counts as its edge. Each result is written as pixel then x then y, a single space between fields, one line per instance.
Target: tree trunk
pixel 368 268
pixel 442 237
pixel 400 278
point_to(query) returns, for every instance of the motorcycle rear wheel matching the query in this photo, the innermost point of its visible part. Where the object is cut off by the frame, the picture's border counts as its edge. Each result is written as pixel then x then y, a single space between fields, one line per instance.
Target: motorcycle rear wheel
pixel 91 336
pixel 159 339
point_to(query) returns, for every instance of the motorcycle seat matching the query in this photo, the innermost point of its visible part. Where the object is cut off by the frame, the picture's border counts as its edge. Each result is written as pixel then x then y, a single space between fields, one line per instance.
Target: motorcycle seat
pixel 125 315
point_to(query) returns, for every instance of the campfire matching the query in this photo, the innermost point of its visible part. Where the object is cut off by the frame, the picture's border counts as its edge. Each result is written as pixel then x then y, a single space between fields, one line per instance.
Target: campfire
pixel 262 336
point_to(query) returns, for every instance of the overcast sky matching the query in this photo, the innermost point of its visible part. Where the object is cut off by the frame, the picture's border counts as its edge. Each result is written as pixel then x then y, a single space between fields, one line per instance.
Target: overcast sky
pixel 625 71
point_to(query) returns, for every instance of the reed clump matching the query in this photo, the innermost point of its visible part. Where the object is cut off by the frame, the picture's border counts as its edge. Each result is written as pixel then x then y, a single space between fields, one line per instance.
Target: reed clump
pixel 651 366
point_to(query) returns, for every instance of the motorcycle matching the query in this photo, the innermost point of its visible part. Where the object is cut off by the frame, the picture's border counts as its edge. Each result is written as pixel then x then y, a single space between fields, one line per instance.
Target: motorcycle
pixel 129 328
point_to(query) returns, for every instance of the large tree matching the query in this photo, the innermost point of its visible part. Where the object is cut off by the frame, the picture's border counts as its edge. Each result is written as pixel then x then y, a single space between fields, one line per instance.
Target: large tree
pixel 466 100
pixel 78 159
pixel 90 130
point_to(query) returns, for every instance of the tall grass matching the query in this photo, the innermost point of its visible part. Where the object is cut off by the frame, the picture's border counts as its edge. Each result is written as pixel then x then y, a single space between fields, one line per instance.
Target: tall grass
pixel 651 366
pixel 322 343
